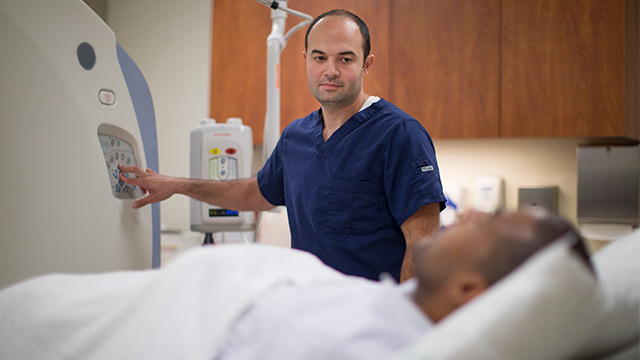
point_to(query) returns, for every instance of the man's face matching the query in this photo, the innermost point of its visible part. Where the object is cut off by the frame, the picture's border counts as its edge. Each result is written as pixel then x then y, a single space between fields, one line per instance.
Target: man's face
pixel 334 61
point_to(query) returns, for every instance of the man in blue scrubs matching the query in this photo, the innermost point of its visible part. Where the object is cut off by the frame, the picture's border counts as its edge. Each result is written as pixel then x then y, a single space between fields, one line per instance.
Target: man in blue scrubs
pixel 359 176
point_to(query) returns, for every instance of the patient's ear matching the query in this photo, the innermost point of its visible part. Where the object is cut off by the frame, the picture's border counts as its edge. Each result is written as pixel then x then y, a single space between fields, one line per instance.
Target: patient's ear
pixel 459 289
pixel 466 286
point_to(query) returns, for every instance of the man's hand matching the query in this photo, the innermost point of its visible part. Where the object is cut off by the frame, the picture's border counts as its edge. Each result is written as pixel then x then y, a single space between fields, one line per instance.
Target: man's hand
pixel 159 187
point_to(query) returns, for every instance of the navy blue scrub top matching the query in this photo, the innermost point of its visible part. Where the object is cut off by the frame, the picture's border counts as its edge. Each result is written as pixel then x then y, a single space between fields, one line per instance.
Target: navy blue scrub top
pixel 347 197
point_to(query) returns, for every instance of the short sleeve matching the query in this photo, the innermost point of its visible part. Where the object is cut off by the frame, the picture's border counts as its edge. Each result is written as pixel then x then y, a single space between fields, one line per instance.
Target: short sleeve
pixel 271 177
pixel 411 176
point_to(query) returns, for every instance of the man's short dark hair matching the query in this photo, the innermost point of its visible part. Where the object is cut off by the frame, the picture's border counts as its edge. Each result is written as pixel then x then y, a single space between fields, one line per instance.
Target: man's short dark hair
pixel 364 30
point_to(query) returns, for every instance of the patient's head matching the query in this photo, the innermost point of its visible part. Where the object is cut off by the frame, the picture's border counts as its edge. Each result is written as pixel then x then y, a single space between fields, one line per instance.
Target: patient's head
pixel 457 264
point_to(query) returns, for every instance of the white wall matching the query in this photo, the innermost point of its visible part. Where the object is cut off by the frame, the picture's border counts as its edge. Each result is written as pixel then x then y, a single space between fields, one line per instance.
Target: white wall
pixel 170 41
pixel 521 162
pixel 98 6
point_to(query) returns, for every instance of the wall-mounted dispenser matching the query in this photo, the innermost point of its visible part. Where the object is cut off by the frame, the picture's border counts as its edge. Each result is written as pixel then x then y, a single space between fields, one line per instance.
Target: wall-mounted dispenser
pixel 489 194
pixel 609 184
pixel 544 197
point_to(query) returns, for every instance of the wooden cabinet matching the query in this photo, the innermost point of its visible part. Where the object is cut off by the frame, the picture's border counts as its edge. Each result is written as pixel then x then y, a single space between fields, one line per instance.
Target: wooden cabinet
pixel 239 62
pixel 569 68
pixel 464 68
pixel 518 68
pixel 445 65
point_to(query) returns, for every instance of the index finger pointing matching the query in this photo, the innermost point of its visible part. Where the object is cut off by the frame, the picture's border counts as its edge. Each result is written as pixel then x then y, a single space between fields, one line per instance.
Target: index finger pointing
pixel 131 169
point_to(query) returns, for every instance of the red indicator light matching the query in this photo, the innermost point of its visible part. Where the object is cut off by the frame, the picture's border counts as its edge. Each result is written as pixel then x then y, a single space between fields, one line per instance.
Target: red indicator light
pixel 231 151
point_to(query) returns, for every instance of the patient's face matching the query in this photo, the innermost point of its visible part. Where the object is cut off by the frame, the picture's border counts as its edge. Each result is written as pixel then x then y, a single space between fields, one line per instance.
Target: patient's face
pixel 461 246
pixel 440 255
pixel 451 264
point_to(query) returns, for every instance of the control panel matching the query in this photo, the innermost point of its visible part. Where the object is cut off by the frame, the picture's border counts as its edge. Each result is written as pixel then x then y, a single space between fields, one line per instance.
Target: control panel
pixel 223 168
pixel 221 161
pixel 118 151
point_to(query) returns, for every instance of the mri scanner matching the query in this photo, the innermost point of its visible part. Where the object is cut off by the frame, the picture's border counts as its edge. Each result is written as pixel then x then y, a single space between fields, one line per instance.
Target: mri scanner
pixel 73 105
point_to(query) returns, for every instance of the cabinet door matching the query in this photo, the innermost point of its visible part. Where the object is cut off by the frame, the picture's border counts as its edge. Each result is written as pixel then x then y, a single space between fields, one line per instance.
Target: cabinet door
pixel 446 66
pixel 563 67
pixel 239 62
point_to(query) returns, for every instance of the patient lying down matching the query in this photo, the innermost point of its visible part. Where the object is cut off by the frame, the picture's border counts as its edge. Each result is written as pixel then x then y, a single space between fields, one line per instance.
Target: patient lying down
pixel 261 302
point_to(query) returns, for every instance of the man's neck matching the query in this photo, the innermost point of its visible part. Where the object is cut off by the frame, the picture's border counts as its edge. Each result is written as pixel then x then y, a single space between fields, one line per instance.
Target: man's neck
pixel 333 117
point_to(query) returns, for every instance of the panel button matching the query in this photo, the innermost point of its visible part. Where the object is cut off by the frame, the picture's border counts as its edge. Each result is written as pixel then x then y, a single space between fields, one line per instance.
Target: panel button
pixel 107 97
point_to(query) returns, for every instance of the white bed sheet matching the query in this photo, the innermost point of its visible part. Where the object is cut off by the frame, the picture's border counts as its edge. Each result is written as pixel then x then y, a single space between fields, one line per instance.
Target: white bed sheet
pixel 176 313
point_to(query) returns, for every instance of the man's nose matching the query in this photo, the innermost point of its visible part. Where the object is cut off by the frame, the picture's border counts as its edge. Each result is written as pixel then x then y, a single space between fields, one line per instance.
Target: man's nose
pixel 331 69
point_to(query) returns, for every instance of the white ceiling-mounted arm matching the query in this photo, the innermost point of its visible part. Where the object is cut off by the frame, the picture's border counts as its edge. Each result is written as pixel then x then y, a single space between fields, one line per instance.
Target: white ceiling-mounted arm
pixel 276 42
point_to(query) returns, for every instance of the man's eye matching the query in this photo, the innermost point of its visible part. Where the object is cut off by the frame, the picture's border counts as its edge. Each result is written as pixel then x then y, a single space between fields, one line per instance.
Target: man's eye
pixel 347 60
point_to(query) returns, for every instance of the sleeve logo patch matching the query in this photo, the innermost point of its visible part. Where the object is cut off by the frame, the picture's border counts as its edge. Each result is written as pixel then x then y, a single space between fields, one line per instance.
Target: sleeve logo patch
pixel 427 168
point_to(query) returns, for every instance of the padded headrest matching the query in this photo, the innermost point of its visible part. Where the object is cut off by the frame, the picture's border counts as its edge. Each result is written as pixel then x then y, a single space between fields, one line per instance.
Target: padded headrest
pixel 618 321
pixel 542 310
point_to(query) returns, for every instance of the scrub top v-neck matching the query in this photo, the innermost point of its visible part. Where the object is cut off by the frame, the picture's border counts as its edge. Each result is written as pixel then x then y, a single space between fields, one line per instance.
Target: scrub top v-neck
pixel 346 197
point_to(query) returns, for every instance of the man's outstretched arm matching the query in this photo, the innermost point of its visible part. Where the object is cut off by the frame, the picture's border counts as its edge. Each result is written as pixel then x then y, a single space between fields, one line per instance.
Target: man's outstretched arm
pixel 241 195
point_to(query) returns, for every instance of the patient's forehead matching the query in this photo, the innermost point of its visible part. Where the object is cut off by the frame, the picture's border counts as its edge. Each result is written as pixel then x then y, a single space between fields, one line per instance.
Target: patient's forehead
pixel 484 229
pixel 477 234
pixel 460 238
pixel 515 221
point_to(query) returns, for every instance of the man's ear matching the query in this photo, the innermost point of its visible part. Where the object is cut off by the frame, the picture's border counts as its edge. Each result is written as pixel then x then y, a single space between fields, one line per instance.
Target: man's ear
pixel 466 286
pixel 367 63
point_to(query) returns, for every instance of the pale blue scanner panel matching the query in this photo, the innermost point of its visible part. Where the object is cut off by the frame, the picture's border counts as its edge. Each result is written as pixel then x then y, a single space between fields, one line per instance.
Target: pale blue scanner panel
pixel 143 106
